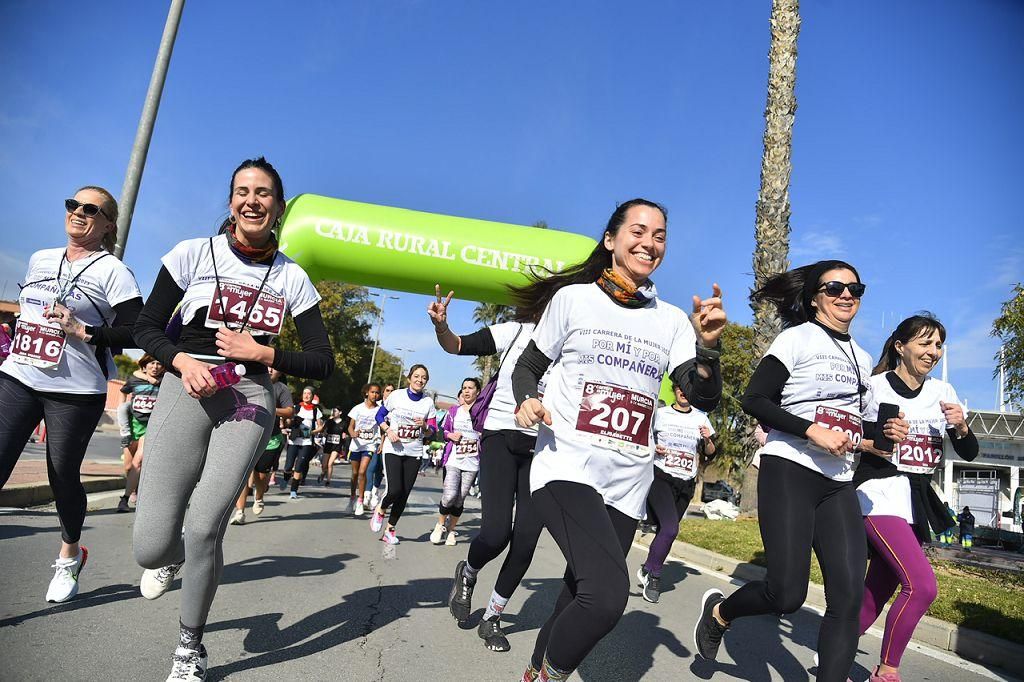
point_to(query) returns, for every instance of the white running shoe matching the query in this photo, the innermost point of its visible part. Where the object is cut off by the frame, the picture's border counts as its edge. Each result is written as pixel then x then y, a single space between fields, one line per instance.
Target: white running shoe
pixel 189 665
pixel 237 517
pixel 257 507
pixel 374 498
pixel 360 510
pixel 156 581
pixel 437 535
pixel 64 584
pixel 450 540
pixel 366 497
pixel 376 521
pixel 390 536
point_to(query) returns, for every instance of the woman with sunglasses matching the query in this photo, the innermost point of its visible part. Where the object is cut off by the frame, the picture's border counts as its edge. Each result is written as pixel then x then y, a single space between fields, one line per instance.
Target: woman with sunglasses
pixel 811 390
pixel 78 305
pixel 608 341
pixel 900 507
pixel 235 290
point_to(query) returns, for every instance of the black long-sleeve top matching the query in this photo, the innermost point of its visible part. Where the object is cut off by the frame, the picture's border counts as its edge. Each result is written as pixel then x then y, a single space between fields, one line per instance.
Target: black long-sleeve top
pixel 314 361
pixel 120 332
pixel 479 343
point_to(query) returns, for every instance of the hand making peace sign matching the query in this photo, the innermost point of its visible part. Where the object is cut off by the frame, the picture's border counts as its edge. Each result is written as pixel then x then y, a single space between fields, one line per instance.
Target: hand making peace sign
pixel 438 310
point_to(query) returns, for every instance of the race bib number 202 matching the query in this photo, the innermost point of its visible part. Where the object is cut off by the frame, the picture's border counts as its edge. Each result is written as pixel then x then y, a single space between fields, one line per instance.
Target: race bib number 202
pixel 616 418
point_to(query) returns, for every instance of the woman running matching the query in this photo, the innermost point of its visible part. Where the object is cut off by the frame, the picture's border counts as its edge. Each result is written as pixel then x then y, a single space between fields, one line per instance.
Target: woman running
pixel 140 392
pixel 375 470
pixel 235 290
pixel 266 465
pixel 461 462
pixel 507 517
pixel 307 423
pixel 407 417
pixel 811 389
pixel 899 505
pixel 334 432
pixel 78 303
pixel 682 436
pixel 608 340
pixel 365 435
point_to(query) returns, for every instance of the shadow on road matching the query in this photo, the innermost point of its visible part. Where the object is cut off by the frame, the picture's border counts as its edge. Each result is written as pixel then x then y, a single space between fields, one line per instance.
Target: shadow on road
pixel 355 617
pixel 103 595
pixel 264 567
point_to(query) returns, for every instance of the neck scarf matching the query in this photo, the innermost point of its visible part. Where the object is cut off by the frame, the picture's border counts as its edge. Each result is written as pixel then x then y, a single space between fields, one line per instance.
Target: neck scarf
pixel 264 254
pixel 623 291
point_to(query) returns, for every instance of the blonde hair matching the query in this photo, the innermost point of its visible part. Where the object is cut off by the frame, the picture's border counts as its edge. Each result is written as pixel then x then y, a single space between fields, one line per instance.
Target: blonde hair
pixel 110 206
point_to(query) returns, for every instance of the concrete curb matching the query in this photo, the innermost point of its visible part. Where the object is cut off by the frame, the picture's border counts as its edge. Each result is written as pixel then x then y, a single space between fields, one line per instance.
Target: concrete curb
pixel 964 642
pixel 35 494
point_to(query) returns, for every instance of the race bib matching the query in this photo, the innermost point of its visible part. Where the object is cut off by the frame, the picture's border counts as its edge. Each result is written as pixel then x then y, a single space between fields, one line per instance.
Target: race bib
pixel 368 434
pixel 143 403
pixel 919 453
pixel 333 438
pixel 409 432
pixel 679 463
pixel 38 345
pixel 616 418
pixel 237 305
pixel 842 421
pixel 467 448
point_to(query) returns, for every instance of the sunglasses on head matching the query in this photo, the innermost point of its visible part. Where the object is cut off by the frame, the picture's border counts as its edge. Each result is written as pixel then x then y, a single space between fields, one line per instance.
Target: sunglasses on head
pixel 89 210
pixel 836 288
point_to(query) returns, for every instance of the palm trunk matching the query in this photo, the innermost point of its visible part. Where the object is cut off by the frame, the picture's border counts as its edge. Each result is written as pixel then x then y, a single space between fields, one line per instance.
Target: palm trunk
pixel 771 253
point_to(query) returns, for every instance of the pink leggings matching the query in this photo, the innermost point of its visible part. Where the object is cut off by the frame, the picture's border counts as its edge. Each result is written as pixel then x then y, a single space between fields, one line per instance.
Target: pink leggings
pixel 897 560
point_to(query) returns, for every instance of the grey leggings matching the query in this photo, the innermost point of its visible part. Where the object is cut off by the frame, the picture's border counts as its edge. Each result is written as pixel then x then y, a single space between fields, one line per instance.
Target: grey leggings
pixel 198 456
pixel 456 488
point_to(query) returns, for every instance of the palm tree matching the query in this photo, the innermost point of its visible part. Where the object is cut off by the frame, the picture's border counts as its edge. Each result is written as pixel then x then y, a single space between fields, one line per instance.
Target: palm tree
pixel 771 228
pixel 487 314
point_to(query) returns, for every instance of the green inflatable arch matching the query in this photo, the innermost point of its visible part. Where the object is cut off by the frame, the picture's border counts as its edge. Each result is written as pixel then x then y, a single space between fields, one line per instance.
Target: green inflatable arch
pixel 405 250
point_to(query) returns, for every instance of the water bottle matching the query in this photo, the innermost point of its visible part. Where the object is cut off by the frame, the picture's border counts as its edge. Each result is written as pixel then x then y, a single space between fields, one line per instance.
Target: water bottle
pixel 5 343
pixel 227 374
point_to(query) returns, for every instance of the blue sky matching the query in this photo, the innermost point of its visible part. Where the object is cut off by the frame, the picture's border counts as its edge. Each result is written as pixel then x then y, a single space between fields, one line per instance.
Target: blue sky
pixel 906 153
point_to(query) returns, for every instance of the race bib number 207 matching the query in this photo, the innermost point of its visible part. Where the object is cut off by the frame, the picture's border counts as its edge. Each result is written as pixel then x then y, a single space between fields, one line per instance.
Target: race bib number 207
pixel 615 417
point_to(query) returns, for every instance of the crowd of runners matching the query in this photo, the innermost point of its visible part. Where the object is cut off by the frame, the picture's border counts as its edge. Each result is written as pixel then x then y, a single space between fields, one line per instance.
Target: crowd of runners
pixel 567 436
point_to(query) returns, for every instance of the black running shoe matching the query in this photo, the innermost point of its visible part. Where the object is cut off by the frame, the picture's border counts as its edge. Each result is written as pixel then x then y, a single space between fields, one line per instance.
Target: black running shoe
pixel 707 633
pixel 460 599
pixel 122 506
pixel 490 631
pixel 650 584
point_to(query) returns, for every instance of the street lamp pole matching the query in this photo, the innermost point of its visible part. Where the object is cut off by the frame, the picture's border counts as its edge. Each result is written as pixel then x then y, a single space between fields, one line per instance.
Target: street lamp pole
pixel 137 160
pixel 380 323
pixel 401 363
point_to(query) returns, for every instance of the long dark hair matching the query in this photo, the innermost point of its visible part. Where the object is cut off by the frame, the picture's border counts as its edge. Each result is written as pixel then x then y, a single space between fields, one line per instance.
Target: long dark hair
pixel 791 292
pixel 264 166
pixel 916 325
pixel 531 299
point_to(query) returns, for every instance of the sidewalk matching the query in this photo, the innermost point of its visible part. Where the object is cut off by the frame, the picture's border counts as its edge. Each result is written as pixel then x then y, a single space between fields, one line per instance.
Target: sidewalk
pixel 964 642
pixel 29 485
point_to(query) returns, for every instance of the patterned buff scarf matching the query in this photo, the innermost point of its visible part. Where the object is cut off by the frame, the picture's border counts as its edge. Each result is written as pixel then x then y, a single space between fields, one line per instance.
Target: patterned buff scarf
pixel 624 291
pixel 263 254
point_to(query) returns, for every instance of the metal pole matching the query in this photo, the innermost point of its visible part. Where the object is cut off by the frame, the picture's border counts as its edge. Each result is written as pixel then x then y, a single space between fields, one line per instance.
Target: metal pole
pixel 380 323
pixel 401 363
pixel 137 160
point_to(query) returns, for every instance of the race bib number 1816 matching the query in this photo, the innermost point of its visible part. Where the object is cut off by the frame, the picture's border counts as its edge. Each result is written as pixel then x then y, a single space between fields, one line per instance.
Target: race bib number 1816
pixel 38 345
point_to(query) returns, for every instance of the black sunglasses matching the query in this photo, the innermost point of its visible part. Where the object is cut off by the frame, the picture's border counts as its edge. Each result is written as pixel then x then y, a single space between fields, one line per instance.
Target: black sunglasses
pixel 836 288
pixel 89 210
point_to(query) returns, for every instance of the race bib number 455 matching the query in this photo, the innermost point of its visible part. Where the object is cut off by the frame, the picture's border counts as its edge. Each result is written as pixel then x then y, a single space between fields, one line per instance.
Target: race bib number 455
pixel 237 305
pixel 616 418
pixel 38 345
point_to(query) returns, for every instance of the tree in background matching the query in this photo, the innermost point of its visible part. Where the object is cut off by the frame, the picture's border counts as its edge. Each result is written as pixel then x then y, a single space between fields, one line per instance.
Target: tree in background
pixel 771 230
pixel 125 366
pixel 1009 328
pixel 732 425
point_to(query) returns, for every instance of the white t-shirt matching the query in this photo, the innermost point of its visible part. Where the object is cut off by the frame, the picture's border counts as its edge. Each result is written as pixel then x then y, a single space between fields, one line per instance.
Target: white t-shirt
pixel 105 281
pixel 501 411
pixel 822 387
pixel 679 433
pixel 309 416
pixel 368 431
pixel 402 411
pixel 287 289
pixel 465 455
pixel 921 452
pixel 886 497
pixel 602 391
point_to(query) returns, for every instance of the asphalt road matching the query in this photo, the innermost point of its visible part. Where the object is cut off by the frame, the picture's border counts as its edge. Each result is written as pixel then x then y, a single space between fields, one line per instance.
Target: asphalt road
pixel 308 594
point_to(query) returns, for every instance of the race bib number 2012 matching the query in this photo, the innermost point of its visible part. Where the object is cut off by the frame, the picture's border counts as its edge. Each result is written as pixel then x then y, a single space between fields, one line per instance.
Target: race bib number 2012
pixel 616 418
pixel 919 453
pixel 38 345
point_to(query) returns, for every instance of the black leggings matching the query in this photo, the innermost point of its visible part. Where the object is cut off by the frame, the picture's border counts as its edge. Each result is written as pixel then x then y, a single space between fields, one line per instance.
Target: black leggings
pixel 799 509
pixel 70 422
pixel 594 539
pixel 399 477
pixel 505 481
pixel 297 461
